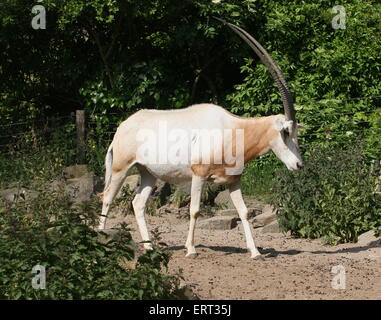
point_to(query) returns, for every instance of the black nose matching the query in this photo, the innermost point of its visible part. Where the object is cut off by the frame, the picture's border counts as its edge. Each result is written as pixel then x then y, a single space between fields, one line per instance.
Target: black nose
pixel 299 165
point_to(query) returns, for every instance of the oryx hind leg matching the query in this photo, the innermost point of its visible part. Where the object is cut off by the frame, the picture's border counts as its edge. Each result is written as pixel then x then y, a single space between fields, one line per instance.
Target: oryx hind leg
pixel 139 203
pixel 110 192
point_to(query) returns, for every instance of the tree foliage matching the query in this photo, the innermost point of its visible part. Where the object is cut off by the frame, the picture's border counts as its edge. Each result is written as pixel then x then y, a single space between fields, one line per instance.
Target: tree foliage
pixel 165 54
pixel 112 58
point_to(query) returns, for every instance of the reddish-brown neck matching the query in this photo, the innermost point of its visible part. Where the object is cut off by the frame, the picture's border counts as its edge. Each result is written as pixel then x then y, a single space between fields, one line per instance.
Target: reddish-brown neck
pixel 258 133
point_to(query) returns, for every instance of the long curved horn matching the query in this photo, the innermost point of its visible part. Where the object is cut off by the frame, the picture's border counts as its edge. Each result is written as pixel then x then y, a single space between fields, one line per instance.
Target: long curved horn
pixel 273 68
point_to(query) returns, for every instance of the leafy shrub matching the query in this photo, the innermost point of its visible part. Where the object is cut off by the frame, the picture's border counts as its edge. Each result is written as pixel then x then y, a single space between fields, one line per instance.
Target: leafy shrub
pixel 38 154
pixel 373 141
pixel 333 196
pixel 49 231
pixel 124 202
pixel 258 176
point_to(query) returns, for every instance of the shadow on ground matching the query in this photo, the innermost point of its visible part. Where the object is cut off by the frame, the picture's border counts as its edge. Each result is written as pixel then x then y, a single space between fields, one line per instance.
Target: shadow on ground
pixel 271 252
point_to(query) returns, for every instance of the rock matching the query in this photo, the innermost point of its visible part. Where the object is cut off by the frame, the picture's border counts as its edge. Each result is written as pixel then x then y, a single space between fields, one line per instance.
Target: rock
pixel 268 215
pixel 14 193
pixel 233 212
pixel 132 181
pixel 80 189
pixel 253 212
pixel 165 209
pixel 254 203
pixel 81 184
pixel 179 198
pixel 185 292
pixel 181 213
pixel 268 209
pixel 218 223
pixel 99 184
pixel 367 238
pixel 210 193
pixel 57 185
pixel 227 213
pixel 273 227
pixel 162 190
pixel 75 171
pixel 185 187
pixel 223 200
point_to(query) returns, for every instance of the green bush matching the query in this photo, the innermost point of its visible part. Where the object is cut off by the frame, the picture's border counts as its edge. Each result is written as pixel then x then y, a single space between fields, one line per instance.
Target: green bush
pixel 258 176
pixel 38 155
pixel 49 231
pixel 333 196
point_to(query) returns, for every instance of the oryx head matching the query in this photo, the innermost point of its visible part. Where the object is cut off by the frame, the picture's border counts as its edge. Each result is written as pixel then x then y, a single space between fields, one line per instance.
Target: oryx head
pixel 285 140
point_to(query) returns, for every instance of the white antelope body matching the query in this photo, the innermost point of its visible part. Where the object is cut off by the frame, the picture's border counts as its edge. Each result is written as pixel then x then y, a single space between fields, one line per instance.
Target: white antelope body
pixel 200 143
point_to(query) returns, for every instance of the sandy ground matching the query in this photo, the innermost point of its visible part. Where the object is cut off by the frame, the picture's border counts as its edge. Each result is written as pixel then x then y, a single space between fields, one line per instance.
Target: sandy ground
pixel 292 269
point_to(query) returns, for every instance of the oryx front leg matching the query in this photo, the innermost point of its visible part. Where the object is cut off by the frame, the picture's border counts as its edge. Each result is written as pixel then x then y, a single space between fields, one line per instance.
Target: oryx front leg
pixel 236 196
pixel 139 204
pixel 197 184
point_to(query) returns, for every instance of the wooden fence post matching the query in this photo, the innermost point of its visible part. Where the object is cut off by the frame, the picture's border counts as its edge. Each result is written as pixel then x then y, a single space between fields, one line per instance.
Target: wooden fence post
pixel 81 144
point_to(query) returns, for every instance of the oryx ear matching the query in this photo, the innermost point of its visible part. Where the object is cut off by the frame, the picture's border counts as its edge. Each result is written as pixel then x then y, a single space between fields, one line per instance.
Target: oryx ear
pixel 282 124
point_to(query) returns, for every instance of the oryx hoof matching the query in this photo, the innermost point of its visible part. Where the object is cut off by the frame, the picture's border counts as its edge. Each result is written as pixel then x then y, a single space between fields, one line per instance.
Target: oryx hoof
pixel 191 255
pixel 258 258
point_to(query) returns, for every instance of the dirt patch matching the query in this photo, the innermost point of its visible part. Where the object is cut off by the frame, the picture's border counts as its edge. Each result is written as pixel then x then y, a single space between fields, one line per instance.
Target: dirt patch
pixel 292 269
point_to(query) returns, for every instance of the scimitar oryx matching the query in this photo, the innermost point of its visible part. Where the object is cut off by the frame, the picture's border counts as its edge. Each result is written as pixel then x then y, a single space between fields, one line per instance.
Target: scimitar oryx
pixel 200 143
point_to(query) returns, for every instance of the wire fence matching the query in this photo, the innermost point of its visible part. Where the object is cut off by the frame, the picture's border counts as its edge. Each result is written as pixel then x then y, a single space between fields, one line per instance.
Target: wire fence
pixel 12 133
pixel 106 136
